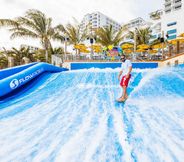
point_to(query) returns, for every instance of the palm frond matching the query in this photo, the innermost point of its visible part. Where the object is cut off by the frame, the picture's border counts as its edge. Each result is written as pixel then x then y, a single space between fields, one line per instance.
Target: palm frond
pixel 22 32
pixel 8 23
pixel 107 36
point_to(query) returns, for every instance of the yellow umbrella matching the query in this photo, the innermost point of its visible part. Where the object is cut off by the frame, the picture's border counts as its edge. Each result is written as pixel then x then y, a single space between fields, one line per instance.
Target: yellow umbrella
pixel 143 46
pixel 126 46
pixel 140 50
pixel 157 46
pixel 84 51
pixel 80 46
pixel 110 47
pixel 97 48
pixel 127 51
pixel 178 39
pixel 153 51
pixel 181 35
pixel 76 46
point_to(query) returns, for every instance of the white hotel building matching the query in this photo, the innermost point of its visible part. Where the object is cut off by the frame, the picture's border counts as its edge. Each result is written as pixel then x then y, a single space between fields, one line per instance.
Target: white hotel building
pixel 173 18
pixel 97 20
pixel 170 21
pixel 135 23
pixel 138 23
pixel 156 24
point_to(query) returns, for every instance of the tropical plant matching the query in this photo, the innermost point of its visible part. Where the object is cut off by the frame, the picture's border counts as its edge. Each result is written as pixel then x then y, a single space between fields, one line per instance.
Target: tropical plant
pixel 7 55
pixel 34 24
pixel 3 60
pixel 39 55
pixel 58 50
pixel 72 33
pixel 155 15
pixel 21 53
pixel 154 42
pixel 142 35
pixel 107 36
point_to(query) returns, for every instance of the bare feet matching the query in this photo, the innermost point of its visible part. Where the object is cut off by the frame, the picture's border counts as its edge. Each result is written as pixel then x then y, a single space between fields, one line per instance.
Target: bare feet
pixel 126 97
pixel 121 99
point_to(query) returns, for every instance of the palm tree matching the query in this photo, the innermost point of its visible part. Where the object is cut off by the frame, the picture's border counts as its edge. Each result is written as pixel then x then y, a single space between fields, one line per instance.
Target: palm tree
pixel 3 61
pixel 72 33
pixel 107 36
pixel 142 35
pixel 58 50
pixel 7 55
pixel 21 53
pixel 155 41
pixel 35 25
pixel 155 15
pixel 39 55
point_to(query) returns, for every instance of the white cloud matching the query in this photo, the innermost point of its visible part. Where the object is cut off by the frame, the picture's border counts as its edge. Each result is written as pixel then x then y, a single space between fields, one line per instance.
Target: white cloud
pixel 62 11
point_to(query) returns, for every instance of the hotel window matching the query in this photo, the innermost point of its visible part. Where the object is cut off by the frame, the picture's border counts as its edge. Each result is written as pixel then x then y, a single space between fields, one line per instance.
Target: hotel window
pixel 168 5
pixel 177 1
pixel 154 36
pixel 171 31
pixel 167 11
pixel 172 37
pixel 177 7
pixel 171 24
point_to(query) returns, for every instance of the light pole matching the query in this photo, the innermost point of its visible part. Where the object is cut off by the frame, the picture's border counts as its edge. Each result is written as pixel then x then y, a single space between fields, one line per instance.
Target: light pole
pixel 65 46
pixel 91 42
pixel 162 42
pixel 135 36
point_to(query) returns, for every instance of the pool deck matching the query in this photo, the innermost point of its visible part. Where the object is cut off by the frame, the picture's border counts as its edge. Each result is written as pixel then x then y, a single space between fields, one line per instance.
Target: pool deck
pixel 172 61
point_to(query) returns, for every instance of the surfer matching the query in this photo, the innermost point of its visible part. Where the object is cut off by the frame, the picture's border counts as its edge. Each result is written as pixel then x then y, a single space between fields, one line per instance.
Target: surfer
pixel 124 77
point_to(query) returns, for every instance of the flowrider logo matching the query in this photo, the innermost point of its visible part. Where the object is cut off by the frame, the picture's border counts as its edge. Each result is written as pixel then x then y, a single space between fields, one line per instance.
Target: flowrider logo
pixel 15 82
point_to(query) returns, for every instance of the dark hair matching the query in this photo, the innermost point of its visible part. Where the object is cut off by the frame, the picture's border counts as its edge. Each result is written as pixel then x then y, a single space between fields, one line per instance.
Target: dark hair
pixel 123 55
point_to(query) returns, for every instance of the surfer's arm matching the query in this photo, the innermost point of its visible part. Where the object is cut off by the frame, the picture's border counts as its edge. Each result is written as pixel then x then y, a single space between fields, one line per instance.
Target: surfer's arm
pixel 120 73
pixel 129 71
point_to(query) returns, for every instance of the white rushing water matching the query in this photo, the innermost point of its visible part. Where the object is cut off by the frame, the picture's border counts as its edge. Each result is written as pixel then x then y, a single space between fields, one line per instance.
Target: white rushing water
pixel 73 117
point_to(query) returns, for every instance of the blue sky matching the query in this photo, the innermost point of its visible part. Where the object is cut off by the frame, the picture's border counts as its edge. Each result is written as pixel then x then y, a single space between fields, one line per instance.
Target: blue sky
pixel 62 11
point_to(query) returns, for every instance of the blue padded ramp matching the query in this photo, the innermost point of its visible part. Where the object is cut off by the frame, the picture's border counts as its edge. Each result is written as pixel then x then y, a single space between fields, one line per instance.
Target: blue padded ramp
pixel 12 82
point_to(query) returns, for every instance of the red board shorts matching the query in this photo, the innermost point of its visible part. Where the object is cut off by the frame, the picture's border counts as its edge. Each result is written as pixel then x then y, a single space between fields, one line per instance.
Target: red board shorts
pixel 124 81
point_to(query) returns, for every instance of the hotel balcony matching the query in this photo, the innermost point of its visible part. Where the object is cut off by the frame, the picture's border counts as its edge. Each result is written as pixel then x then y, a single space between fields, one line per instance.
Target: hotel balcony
pixel 167 2
pixel 177 6
pixel 168 8
pixel 177 1
pixel 167 11
pixel 167 5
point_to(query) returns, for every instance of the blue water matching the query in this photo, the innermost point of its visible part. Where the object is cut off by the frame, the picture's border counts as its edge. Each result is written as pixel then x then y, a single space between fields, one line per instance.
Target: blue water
pixel 73 117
